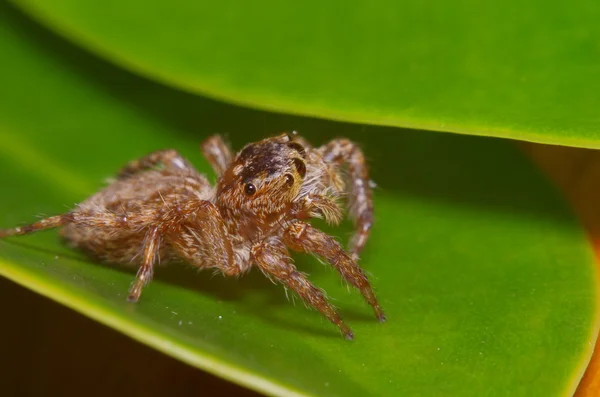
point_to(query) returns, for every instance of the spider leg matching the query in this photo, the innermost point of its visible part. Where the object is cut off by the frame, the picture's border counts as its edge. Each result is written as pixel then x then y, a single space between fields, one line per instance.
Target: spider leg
pixel 217 152
pixel 169 158
pixel 303 237
pixel 201 238
pixel 275 262
pixel 144 274
pixel 47 223
pixel 344 151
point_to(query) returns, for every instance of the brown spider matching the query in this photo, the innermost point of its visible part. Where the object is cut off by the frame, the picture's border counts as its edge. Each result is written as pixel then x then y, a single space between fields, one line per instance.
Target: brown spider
pixel 260 206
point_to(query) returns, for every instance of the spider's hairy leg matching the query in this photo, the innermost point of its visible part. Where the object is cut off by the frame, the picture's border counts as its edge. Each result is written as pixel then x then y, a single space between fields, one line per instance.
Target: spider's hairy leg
pixel 217 152
pixel 144 274
pixel 303 237
pixel 344 151
pixel 275 262
pixel 47 223
pixel 201 238
pixel 169 158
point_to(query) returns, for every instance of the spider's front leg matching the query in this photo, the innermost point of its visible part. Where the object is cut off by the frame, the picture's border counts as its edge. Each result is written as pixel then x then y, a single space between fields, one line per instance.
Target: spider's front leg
pixel 196 232
pixel 344 151
pixel 303 237
pixel 199 235
pixel 274 260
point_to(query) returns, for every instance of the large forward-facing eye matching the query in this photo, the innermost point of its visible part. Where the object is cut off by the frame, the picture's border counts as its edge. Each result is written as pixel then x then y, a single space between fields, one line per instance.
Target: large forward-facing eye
pixel 300 167
pixel 289 180
pixel 249 189
pixel 298 147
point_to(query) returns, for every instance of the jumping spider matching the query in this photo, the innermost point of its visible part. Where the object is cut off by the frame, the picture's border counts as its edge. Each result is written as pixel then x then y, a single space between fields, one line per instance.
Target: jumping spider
pixel 159 209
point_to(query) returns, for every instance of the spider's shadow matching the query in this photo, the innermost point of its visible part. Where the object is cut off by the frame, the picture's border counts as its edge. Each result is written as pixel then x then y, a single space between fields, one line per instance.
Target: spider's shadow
pixel 255 283
pixel 230 289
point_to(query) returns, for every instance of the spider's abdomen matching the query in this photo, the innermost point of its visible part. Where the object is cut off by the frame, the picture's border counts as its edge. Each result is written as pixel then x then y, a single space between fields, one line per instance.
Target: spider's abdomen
pixel 112 224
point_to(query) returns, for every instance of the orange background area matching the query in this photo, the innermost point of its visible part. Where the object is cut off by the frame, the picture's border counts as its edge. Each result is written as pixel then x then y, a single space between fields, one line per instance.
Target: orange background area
pixel 577 173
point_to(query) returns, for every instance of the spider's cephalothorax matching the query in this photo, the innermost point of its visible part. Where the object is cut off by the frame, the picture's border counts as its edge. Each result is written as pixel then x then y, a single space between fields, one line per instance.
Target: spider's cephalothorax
pixel 160 209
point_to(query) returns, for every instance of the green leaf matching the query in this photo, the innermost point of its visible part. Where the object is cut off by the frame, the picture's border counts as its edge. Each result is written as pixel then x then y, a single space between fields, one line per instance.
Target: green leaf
pixel 488 281
pixel 510 69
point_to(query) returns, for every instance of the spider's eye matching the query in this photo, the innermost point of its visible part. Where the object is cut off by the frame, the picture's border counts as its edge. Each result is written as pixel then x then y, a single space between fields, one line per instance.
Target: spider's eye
pixel 249 189
pixel 300 167
pixel 289 180
pixel 297 147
